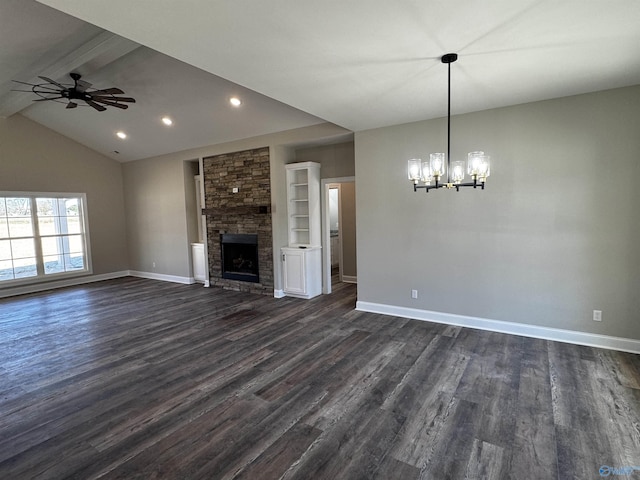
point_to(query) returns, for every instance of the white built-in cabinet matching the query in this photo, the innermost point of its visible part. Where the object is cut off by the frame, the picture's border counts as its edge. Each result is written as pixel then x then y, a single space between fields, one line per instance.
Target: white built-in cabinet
pixel 199 262
pixel 301 271
pixel 302 259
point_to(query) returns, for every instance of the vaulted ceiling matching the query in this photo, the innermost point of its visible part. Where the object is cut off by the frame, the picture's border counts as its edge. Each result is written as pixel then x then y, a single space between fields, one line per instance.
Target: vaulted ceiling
pixel 38 40
pixel 359 64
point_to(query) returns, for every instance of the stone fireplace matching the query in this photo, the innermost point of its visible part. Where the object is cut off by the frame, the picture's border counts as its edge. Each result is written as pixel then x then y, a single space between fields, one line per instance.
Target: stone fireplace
pixel 237 191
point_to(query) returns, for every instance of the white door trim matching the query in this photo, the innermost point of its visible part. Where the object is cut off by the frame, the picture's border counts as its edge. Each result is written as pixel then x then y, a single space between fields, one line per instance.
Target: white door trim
pixel 326 240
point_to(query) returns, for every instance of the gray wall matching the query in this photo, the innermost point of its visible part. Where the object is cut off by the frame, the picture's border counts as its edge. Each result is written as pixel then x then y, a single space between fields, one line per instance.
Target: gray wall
pixel 34 158
pixel 156 193
pixel 157 226
pixel 554 236
pixel 191 169
pixel 336 160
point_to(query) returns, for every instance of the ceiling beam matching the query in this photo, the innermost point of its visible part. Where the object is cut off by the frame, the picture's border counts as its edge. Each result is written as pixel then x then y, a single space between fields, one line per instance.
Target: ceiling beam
pixel 98 52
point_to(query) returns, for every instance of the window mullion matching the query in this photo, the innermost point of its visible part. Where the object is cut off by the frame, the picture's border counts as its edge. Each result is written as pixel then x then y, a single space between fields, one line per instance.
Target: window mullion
pixel 36 237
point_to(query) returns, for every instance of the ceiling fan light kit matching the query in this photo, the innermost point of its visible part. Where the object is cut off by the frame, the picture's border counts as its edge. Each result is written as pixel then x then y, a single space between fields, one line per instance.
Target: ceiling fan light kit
pixel 79 91
pixel 434 170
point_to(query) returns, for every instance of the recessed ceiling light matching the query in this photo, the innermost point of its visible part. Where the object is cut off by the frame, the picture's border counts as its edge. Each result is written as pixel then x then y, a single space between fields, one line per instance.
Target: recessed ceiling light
pixel 235 101
pixel 167 121
pixel 121 135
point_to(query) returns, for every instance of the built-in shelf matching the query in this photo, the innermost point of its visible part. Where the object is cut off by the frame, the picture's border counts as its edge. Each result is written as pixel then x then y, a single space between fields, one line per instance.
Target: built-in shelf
pixel 303 196
pixel 302 260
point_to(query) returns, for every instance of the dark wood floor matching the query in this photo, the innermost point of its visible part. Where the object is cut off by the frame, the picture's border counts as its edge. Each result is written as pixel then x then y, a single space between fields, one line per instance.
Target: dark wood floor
pixel 135 378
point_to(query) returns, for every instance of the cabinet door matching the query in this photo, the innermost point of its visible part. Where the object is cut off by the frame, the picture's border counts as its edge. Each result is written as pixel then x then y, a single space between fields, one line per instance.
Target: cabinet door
pixel 294 272
pixel 199 263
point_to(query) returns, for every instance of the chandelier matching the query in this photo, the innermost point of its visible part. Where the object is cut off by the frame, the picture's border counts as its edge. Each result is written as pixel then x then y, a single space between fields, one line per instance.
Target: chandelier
pixel 439 164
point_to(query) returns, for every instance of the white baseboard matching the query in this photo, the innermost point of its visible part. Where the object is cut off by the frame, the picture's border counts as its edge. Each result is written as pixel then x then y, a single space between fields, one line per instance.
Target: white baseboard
pixel 164 278
pixel 278 293
pixel 525 330
pixel 67 282
pixel 349 279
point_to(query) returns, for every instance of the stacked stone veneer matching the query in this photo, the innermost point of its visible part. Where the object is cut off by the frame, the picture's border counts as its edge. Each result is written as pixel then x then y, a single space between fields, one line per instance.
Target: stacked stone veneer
pixel 248 211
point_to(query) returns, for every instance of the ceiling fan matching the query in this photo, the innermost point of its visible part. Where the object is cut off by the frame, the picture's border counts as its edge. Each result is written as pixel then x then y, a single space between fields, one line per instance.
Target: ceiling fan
pixel 80 90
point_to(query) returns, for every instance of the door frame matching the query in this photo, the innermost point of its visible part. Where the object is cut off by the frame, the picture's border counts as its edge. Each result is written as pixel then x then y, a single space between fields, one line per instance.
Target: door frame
pixel 326 239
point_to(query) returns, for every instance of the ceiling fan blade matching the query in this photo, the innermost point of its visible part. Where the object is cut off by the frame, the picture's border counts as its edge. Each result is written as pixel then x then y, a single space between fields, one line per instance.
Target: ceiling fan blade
pixel 36 85
pixel 71 105
pixel 24 83
pixel 100 108
pixel 48 80
pixel 108 91
pixel 111 104
pixel 119 99
pixel 81 85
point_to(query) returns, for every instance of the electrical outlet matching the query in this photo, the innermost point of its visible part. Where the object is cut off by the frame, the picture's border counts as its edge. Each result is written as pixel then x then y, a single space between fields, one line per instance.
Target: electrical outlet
pixel 154 264
pixel 414 293
pixel 597 315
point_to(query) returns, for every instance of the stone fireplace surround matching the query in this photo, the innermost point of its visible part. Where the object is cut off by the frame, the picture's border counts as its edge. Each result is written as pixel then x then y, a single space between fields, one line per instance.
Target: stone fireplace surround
pixel 247 211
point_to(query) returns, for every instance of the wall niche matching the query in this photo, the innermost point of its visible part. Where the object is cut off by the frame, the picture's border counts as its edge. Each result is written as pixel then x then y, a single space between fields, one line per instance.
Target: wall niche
pixel 237 190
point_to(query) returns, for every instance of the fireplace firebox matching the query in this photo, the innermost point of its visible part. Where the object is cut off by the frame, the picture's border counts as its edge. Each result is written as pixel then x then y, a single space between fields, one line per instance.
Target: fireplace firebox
pixel 239 254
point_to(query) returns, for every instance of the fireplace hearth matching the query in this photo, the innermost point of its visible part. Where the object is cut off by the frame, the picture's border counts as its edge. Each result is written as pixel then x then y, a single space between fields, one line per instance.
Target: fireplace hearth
pixel 239 257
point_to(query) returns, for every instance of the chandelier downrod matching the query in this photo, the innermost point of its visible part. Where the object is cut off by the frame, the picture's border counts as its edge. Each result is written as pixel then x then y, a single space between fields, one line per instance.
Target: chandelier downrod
pixel 449 58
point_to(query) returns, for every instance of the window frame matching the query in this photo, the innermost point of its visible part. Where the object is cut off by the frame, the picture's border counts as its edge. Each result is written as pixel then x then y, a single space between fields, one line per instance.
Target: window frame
pixel 42 276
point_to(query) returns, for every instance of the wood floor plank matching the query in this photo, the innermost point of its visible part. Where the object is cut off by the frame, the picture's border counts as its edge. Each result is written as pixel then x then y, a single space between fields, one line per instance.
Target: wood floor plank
pixel 534 453
pixel 392 468
pixel 278 458
pixel 486 461
pixel 534 445
pixel 435 365
pixel 345 449
pixel 135 378
pixel 320 359
pixel 451 451
pixel 581 454
pixel 355 390
pixel 251 438
pixel 572 393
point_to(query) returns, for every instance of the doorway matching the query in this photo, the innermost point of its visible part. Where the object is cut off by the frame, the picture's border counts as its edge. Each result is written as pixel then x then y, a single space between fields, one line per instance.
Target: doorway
pixel 338 232
pixel 335 235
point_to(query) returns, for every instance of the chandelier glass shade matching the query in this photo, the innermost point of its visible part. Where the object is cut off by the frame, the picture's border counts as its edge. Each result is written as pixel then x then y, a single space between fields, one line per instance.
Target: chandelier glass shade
pixel 439 171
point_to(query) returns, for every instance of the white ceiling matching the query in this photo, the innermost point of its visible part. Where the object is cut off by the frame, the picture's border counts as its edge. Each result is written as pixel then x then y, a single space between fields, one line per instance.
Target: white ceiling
pixel 359 63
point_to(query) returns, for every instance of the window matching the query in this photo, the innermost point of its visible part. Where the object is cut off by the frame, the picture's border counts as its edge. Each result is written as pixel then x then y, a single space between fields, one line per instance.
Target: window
pixel 42 235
